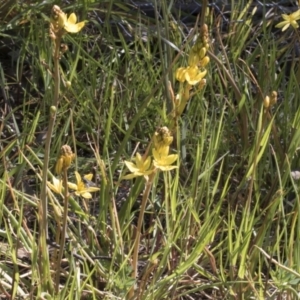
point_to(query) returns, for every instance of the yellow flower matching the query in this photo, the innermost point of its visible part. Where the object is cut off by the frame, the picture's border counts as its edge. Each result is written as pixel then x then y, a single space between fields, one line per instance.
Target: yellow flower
pixel 80 188
pixel 60 21
pixel 139 168
pixel 289 20
pixel 193 75
pixel 56 186
pixel 70 24
pixel 190 74
pixel 162 160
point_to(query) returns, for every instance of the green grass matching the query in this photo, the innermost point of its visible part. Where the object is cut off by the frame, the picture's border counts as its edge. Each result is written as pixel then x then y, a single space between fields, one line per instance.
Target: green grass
pixel 224 225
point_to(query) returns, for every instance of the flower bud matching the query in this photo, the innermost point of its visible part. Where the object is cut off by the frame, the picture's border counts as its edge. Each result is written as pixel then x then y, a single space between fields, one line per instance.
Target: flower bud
pixel 204 62
pixel 202 52
pixel 53 109
pixel 64 48
pixel 273 98
pixel 267 102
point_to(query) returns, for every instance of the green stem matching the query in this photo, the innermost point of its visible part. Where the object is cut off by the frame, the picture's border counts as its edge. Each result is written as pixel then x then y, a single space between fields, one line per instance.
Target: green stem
pixel 44 265
pixel 138 232
pixel 63 230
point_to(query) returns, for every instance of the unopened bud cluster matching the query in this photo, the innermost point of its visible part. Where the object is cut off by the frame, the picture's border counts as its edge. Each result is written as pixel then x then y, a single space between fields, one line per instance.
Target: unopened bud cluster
pixel 65 159
pixel 271 100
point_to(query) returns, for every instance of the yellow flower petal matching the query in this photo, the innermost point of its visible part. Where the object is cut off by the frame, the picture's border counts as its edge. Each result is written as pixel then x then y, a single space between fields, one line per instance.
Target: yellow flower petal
pixel 74 28
pixel 163 162
pixel 88 176
pixel 131 176
pixel 180 74
pixel 131 166
pixel 139 161
pixel 78 177
pixel 86 195
pixel 147 163
pixel 56 186
pixel 72 18
pixel 170 159
pixel 139 168
pixel 166 168
pixel 91 189
pixel 72 186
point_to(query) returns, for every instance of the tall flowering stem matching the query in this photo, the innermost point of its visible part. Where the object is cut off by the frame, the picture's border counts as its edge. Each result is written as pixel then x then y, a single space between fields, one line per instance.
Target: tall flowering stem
pixel 143 166
pixel 59 25
pixel 43 228
pixel 62 165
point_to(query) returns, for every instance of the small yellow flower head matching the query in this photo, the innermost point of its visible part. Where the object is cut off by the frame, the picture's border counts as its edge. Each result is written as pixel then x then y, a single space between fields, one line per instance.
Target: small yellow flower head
pixel 141 167
pixel 162 160
pixel 190 74
pixel 71 25
pixel 193 75
pixel 65 159
pixel 162 138
pixel 289 20
pixel 80 188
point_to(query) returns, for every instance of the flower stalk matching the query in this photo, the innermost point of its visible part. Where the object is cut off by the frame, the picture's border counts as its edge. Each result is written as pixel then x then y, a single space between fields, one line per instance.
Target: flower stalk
pixel 162 161
pixel 43 253
pixel 62 165
pixel 59 25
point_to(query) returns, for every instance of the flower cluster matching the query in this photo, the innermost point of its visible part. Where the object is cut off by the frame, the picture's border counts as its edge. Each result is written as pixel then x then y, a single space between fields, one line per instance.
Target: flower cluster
pixel 143 166
pixel 60 24
pixel 192 75
pixel 63 163
pixel 289 20
pixel 269 101
pixel 195 72
pixel 65 159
